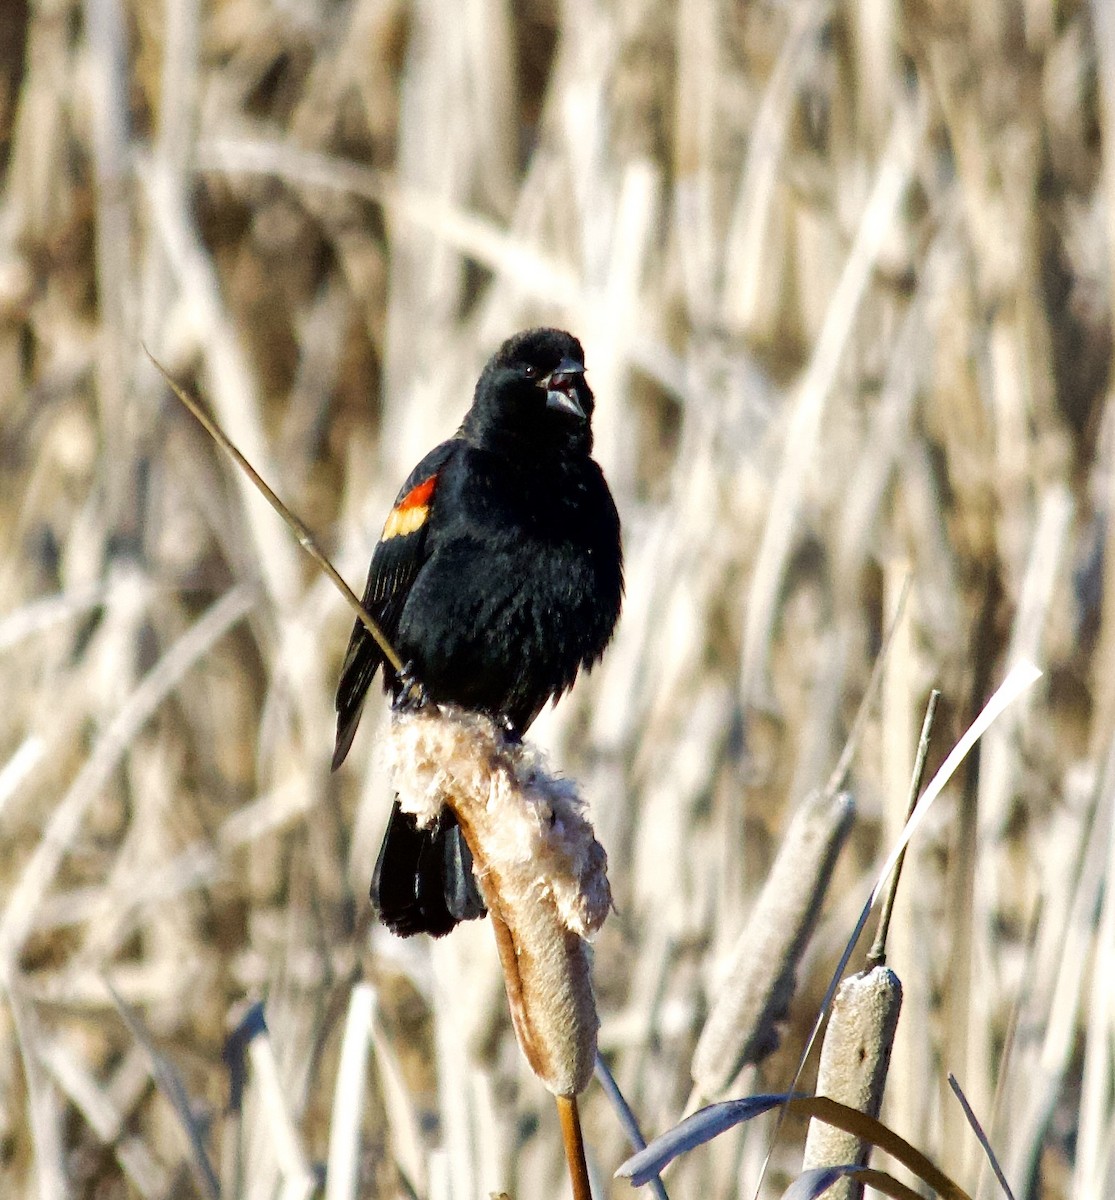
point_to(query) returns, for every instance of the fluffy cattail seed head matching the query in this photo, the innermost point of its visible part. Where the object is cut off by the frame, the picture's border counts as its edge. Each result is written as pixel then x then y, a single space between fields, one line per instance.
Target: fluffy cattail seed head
pixel 539 867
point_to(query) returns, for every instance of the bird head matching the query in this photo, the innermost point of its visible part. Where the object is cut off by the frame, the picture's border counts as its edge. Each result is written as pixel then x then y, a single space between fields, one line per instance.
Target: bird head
pixel 534 388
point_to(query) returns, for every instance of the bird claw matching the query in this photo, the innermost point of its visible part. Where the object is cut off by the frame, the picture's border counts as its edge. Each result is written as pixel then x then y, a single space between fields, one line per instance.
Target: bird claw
pixel 411 696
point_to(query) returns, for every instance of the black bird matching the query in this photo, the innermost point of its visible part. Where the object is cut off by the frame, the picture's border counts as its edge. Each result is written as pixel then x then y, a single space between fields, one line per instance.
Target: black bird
pixel 498 575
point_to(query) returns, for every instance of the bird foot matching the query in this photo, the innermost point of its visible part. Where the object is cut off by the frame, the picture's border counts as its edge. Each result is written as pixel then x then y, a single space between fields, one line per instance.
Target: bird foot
pixel 411 695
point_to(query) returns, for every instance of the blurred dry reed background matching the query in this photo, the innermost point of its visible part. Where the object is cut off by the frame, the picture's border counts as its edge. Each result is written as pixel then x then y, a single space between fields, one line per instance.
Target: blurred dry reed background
pixel 843 274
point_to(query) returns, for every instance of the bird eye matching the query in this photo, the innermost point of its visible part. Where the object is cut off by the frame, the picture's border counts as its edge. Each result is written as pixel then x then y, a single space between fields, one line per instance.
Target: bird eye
pixel 529 371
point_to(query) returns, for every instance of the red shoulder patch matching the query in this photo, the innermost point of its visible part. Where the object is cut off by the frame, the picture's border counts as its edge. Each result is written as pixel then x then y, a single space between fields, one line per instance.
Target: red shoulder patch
pixel 410 513
pixel 419 495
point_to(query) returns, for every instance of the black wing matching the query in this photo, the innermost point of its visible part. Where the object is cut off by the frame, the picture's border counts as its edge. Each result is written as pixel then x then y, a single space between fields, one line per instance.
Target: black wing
pixel 398 557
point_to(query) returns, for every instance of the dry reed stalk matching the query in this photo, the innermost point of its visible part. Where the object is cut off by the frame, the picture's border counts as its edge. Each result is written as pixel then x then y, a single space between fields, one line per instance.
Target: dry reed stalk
pixel 454 1069
pixel 1043 1045
pixel 999 787
pixel 294 1177
pixel 1104 33
pixel 892 179
pixel 15 771
pixel 1093 1172
pixel 115 267
pixel 343 1170
pixel 863 1010
pixel 755 248
pixel 48 1172
pixel 403 1124
pixel 468 233
pixel 21 904
pixel 145 1173
pixel 574 1141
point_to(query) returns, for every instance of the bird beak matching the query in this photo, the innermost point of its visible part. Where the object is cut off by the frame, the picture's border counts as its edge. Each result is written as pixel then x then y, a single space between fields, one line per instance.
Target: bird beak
pixel 561 388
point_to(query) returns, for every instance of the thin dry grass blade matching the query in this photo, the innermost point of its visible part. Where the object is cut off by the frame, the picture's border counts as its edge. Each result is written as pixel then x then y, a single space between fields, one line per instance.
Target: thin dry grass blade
pixel 171 1086
pixel 627 1119
pixel 982 1138
pixel 294 524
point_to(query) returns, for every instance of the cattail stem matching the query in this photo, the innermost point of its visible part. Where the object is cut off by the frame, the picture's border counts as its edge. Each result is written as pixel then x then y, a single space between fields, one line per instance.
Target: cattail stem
pixel 574 1143
pixel 877 955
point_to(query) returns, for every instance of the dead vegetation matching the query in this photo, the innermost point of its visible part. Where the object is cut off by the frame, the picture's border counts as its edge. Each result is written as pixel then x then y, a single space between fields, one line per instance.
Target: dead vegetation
pixel 843 274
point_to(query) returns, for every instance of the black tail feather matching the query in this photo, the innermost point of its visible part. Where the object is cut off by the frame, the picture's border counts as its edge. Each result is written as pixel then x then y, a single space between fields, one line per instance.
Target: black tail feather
pixel 423 881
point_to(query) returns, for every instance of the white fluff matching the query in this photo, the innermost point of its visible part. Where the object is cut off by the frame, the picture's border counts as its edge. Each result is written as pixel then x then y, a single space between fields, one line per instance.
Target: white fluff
pixel 529 826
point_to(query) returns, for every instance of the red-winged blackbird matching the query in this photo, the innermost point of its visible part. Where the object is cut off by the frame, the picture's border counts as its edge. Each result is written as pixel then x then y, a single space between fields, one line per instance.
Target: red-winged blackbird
pixel 498 575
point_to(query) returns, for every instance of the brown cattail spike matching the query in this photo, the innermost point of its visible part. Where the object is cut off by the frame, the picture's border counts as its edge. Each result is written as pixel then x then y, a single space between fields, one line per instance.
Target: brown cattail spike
pixel 741 1028
pixel 540 869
